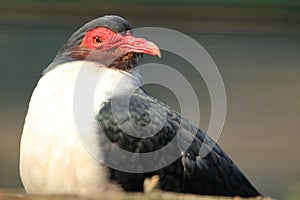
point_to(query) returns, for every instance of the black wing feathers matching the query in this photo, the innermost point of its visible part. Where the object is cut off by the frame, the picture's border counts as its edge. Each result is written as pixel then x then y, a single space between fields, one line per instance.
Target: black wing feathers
pixel 213 174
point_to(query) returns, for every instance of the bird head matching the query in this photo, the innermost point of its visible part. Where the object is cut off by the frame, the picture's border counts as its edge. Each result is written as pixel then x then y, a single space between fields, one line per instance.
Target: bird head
pixel 108 41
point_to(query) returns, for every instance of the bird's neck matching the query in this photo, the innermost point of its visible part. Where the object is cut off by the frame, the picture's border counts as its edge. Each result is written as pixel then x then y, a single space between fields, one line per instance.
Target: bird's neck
pixel 113 82
pixel 105 82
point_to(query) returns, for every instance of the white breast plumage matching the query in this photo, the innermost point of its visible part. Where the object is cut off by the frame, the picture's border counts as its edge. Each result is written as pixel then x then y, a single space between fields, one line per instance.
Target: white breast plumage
pixel 53 158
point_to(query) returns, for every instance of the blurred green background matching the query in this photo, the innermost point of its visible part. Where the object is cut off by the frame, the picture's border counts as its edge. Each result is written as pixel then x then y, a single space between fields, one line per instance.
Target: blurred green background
pixel 255 44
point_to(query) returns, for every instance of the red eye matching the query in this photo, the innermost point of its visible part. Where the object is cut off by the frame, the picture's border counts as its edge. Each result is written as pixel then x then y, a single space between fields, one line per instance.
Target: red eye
pixel 95 37
pixel 97 40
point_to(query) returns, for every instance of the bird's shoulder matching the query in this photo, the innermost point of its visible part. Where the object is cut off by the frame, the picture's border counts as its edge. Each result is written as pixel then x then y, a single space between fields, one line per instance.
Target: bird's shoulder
pixel 140 110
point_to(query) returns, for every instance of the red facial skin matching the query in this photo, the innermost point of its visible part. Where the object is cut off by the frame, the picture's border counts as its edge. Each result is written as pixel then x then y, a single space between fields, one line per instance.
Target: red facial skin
pixel 104 39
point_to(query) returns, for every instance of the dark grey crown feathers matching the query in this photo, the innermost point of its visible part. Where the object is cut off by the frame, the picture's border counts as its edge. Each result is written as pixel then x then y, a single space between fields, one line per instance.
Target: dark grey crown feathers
pixel 113 22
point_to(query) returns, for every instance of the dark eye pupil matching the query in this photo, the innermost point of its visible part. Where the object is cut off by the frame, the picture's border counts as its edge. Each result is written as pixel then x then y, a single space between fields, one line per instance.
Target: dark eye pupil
pixel 97 40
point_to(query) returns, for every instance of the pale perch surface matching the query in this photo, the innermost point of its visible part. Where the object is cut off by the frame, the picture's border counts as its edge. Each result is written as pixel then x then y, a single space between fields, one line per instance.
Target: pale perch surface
pixel 157 195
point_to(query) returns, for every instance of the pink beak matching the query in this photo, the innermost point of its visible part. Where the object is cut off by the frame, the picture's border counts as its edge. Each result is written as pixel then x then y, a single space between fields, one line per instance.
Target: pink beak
pixel 139 45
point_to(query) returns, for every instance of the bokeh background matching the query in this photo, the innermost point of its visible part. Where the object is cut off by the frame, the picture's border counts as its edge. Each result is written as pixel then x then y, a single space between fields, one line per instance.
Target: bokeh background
pixel 255 44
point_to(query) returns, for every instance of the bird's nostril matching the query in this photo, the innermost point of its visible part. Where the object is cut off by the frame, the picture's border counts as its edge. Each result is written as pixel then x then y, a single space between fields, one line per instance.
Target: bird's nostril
pixel 137 43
